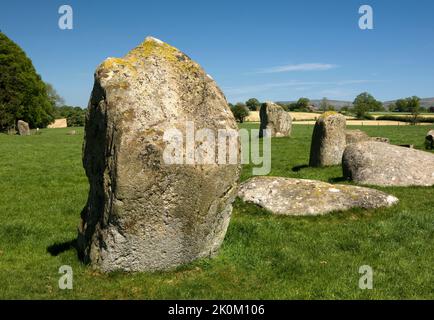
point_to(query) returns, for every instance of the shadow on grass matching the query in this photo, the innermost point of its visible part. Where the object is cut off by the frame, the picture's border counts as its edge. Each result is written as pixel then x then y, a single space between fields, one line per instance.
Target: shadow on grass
pixel 337 179
pixel 59 248
pixel 298 168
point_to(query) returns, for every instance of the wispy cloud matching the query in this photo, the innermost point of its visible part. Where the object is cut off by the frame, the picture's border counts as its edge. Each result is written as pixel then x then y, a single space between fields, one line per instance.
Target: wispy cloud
pixel 299 67
pixel 300 85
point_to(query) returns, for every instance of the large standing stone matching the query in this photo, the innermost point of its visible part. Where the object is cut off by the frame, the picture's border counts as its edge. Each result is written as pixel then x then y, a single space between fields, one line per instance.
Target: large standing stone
pixel 23 128
pixel 328 140
pixel 274 118
pixel 287 196
pixel 383 164
pixel 142 213
pixel 429 140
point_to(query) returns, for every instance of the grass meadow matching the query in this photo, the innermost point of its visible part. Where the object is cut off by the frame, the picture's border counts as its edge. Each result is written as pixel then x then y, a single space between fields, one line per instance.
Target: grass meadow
pixel 43 189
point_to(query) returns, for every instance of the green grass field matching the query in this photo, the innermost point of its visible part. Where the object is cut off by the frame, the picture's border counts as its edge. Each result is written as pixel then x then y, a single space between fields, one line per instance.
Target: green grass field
pixel 43 189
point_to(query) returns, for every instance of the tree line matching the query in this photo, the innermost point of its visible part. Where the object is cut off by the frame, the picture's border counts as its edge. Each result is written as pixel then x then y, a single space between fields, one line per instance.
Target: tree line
pixel 362 105
pixel 25 96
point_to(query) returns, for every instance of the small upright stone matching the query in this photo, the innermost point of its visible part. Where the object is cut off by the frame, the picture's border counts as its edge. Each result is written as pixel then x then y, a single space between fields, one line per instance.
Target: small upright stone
pixel 23 128
pixel 429 140
pixel 274 118
pixel 144 213
pixel 328 140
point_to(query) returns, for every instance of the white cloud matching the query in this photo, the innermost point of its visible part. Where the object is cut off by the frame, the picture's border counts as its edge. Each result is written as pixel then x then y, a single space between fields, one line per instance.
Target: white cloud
pixel 301 85
pixel 300 67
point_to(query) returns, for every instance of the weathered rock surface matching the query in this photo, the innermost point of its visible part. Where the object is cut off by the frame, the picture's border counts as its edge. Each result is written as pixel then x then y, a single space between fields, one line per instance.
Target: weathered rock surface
pixel 23 128
pixel 429 140
pixel 274 118
pixel 142 213
pixel 384 164
pixel 328 140
pixel 287 196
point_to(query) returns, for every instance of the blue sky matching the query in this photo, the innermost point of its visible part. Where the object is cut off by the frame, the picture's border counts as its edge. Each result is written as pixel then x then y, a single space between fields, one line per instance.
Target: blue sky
pixel 272 50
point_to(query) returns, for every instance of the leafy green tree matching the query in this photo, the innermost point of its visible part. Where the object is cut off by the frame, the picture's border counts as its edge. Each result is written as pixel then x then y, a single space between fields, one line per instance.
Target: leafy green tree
pixel 53 96
pixel 302 103
pixel 401 105
pixel 324 104
pixel 75 116
pixel 23 95
pixel 365 103
pixel 240 111
pixel 253 104
pixel 413 105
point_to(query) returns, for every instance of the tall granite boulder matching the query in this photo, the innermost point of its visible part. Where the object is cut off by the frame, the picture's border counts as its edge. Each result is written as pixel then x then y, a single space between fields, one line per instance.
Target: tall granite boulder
pixel 328 140
pixel 429 140
pixel 23 128
pixel 144 213
pixel 274 118
pixel 382 164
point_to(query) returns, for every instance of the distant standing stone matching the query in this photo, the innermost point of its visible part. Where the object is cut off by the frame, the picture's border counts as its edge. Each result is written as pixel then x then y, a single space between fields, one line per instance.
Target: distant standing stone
pixel 353 136
pixel 328 140
pixel 429 140
pixel 143 213
pixel 23 128
pixel 383 164
pixel 274 118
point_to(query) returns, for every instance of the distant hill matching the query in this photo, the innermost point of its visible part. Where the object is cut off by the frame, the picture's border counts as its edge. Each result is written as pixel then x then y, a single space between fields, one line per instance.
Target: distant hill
pixel 338 104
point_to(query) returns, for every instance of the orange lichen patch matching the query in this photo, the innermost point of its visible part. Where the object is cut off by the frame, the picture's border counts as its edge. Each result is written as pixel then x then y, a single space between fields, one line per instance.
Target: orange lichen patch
pixel 118 63
pixel 154 47
pixel 328 114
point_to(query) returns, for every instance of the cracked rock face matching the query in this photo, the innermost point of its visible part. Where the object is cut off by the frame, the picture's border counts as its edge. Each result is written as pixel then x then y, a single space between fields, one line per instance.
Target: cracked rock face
pixel 142 213
pixel 274 118
pixel 328 140
pixel 383 164
pixel 302 197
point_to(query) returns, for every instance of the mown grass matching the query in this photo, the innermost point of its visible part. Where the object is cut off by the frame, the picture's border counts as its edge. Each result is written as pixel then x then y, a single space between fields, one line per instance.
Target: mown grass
pixel 43 189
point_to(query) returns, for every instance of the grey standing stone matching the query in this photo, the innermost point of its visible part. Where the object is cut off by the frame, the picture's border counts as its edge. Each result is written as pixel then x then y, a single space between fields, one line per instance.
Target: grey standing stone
pixel 274 118
pixel 383 164
pixel 429 140
pixel 328 140
pixel 142 213
pixel 23 128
